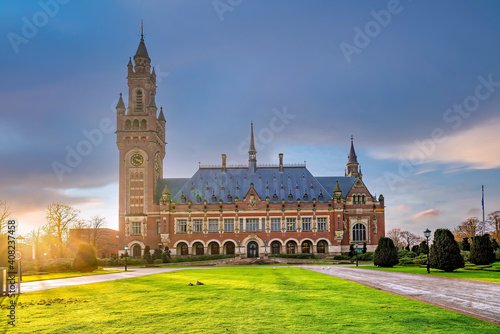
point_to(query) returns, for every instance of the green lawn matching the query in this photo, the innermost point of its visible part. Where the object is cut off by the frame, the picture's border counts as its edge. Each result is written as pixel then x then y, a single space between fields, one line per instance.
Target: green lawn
pixel 479 275
pixel 233 300
pixel 32 278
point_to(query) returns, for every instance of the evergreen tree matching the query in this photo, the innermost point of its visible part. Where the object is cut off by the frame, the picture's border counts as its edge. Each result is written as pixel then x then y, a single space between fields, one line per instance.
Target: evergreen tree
pixel 157 254
pixel 351 250
pixel 481 251
pixel 416 249
pixel 166 255
pixel 465 244
pixel 385 254
pixel 365 249
pixel 494 244
pixel 423 248
pixel 85 260
pixel 445 253
pixel 147 255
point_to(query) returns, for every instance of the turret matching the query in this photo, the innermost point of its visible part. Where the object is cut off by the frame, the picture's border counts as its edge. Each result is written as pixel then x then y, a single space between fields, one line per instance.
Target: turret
pixel 352 162
pixel 252 153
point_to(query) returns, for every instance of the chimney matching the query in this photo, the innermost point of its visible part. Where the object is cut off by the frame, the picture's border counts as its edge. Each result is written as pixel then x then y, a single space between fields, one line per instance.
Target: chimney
pixel 281 162
pixel 224 163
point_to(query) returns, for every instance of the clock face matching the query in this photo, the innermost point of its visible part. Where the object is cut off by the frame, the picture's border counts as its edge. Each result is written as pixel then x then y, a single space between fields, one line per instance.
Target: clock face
pixel 136 159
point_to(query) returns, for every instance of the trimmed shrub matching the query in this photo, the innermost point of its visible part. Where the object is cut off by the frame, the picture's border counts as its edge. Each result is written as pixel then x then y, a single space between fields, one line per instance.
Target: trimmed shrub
pixel 385 254
pixel 465 255
pixel 147 255
pixel 415 249
pixel 423 248
pixel 465 244
pixel 494 244
pixel 199 258
pixel 341 257
pixel 351 250
pixel 157 254
pixel 297 256
pixel 481 251
pixel 363 257
pixel 85 260
pixel 365 249
pixel 445 253
pixel 497 255
pixel 406 253
pixel 166 255
pixel 158 261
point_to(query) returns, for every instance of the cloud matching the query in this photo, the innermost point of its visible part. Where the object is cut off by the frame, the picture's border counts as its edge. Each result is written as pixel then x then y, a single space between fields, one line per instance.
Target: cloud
pixel 474 212
pixel 425 214
pixel 474 148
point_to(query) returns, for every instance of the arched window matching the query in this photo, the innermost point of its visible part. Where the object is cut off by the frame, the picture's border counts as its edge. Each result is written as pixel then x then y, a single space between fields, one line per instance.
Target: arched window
pixel 230 248
pixel 128 124
pixel 306 247
pixel 214 248
pixel 184 249
pixel 275 247
pixel 199 249
pixel 363 199
pixel 144 124
pixel 136 124
pixel 359 232
pixel 321 247
pixel 290 247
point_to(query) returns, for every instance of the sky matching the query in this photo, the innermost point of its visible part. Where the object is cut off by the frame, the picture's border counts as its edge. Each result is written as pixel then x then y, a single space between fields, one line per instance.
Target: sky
pixel 417 83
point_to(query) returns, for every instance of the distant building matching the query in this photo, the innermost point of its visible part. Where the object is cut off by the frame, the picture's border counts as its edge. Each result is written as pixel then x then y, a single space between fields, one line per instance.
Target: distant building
pixel 250 209
pixel 106 241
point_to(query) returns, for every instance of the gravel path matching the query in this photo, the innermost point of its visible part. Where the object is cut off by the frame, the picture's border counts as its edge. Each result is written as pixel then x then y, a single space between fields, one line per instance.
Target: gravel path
pixel 478 299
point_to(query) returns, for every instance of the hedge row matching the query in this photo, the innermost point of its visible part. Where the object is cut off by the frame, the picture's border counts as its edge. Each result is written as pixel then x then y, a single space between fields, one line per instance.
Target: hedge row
pixel 297 256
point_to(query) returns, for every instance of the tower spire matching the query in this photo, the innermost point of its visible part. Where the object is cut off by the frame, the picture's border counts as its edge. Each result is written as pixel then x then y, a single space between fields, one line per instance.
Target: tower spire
pixel 352 161
pixel 142 30
pixel 252 152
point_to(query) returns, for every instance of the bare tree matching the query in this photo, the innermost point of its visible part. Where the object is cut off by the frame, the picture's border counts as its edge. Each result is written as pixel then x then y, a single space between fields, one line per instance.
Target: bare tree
pixel 494 224
pixel 59 218
pixel 396 235
pixel 4 215
pixel 468 229
pixel 411 239
pixel 34 238
pixel 96 225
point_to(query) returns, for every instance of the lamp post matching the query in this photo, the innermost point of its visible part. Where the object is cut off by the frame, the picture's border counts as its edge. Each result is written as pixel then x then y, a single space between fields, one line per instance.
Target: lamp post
pixel 126 255
pixel 20 239
pixel 356 254
pixel 427 234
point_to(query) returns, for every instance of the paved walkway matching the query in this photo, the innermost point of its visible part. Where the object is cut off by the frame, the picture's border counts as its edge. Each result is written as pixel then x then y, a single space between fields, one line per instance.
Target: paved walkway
pixel 64 282
pixel 481 300
pixel 478 299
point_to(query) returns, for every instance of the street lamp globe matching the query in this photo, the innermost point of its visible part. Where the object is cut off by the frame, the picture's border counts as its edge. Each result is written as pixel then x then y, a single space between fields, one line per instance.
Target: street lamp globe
pixel 427 233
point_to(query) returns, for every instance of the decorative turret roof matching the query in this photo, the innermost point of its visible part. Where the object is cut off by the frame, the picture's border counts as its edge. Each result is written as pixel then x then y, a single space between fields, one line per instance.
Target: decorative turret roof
pixel 353 159
pixel 120 104
pixel 337 188
pixel 142 52
pixel 252 142
pixel 161 117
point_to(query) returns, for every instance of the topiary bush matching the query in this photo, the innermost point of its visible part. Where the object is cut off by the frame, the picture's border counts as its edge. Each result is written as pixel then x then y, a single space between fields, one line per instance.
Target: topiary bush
pixel 445 253
pixel 465 244
pixel 406 253
pixel 341 257
pixel 166 255
pixel 385 254
pixel 158 261
pixel 85 260
pixel 465 255
pixel 147 255
pixel 481 251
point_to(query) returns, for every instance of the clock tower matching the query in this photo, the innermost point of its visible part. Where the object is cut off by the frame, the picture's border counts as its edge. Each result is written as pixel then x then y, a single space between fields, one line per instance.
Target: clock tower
pixel 140 138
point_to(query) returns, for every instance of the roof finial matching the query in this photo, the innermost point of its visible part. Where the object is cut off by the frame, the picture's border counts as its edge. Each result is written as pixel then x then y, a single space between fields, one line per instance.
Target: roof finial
pixel 142 30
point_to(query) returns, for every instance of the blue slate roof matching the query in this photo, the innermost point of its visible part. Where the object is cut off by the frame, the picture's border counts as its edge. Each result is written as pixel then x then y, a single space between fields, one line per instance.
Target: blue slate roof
pixel 294 182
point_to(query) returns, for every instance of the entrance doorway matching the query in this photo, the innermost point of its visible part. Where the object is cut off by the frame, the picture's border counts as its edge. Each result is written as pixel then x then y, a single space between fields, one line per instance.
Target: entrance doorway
pixel 252 249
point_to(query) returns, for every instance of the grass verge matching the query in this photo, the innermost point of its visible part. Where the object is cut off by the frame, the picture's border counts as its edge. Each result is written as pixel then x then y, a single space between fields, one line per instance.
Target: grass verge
pixel 233 300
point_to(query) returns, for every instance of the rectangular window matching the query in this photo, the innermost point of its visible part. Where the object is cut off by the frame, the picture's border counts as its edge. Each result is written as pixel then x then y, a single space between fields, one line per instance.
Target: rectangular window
pixel 275 224
pixel 182 226
pixel 158 227
pixel 263 224
pixel 229 225
pixel 291 224
pixel 306 223
pixel 164 225
pixel 322 224
pixel 252 224
pixel 197 225
pixel 241 224
pixel 213 225
pixel 136 228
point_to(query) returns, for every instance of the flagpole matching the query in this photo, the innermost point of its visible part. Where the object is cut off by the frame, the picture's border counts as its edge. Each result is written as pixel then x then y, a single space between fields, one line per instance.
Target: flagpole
pixel 482 202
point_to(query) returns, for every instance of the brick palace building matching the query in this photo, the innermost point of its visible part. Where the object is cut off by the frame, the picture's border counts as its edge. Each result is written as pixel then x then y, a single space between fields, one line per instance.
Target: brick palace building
pixel 249 210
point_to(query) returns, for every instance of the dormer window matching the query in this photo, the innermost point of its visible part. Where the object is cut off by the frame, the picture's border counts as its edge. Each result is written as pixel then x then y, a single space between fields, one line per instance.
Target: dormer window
pixel 290 197
pixel 229 198
pixel 320 196
pixel 198 198
pixel 214 198
pixel 275 197
pixel 305 197
pixel 183 199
